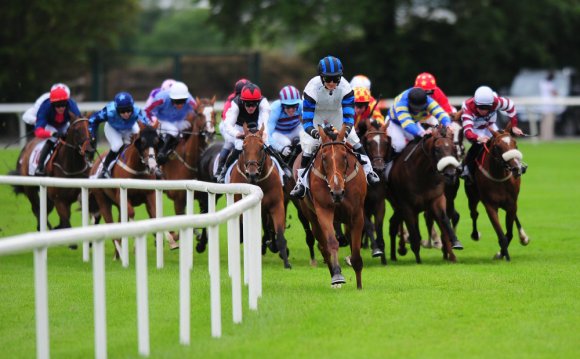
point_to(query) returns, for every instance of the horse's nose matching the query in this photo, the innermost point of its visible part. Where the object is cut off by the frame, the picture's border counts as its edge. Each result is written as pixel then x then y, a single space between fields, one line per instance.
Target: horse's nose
pixel 252 177
pixel 337 196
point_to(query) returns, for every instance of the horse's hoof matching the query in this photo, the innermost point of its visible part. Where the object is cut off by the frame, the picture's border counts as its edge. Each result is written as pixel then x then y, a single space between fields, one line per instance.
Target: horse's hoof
pixel 173 246
pixel 73 246
pixel 383 260
pixel 287 266
pixel 337 279
pixel 498 256
pixel 347 260
pixel 475 236
pixel 264 249
pixel 402 251
pixel 377 253
pixel 426 244
pixel 457 245
pixel 524 239
pixel 313 263
pixel 200 247
pixel 438 245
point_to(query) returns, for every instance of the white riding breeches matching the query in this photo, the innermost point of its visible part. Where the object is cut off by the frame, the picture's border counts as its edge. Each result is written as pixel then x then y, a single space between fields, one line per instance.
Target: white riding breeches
pixel 309 144
pixel 118 138
pixel 173 128
pixel 280 140
pixel 399 137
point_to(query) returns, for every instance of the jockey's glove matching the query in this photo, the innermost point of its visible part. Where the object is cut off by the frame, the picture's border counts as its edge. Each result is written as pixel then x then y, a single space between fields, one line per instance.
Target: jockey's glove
pixel 348 128
pixel 286 151
pixel 313 132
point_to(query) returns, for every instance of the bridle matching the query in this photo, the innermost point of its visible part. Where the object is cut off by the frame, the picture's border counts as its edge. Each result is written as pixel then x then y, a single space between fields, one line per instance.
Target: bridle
pixel 259 164
pixel 499 158
pixel 346 178
pixel 79 148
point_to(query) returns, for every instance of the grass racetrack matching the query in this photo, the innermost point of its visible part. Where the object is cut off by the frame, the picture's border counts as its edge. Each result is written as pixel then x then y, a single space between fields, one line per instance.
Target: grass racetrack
pixel 476 308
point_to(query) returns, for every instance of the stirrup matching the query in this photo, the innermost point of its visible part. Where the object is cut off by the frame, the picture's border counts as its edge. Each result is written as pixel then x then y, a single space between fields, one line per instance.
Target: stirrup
pixel 373 178
pixel 158 173
pixel 40 173
pixel 221 178
pixel 298 191
pixel 105 174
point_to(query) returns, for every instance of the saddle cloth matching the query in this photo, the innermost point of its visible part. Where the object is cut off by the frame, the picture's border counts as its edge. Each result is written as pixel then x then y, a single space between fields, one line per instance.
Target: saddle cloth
pixel 33 159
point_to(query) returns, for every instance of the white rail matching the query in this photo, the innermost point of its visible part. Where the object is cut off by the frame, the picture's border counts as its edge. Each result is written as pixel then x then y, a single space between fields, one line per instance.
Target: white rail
pixel 40 242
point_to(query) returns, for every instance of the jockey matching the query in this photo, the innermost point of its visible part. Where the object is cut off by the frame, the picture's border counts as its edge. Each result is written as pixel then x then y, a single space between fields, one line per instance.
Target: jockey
pixel 249 108
pixel 171 107
pixel 121 116
pixel 328 99
pixel 363 104
pixel 30 115
pixel 165 85
pixel 228 141
pixel 52 121
pixel 409 110
pixel 284 121
pixel 479 115
pixel 427 82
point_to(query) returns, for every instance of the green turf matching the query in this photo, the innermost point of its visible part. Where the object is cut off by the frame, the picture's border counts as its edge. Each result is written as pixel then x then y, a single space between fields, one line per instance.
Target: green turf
pixel 477 308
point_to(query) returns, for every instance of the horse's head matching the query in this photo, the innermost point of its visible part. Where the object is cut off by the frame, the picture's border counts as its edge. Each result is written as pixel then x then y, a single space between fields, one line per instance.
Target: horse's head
pixel 253 152
pixel 457 128
pixel 443 153
pixel 206 107
pixel 504 150
pixel 146 144
pixel 377 144
pixel 78 137
pixel 334 161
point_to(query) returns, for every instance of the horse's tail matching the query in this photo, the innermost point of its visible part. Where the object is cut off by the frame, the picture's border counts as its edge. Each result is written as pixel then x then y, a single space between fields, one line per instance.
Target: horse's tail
pixel 16 188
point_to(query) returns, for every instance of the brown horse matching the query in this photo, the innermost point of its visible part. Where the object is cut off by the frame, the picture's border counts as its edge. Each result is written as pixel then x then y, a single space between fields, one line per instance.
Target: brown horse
pixel 378 147
pixel 337 191
pixel 416 183
pixel 138 161
pixel 71 158
pixel 497 185
pixel 255 166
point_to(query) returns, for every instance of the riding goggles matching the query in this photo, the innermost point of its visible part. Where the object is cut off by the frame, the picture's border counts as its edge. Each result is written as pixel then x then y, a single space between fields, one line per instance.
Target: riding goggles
pixel 484 107
pixel 251 103
pixel 180 101
pixel 329 79
pixel 121 110
pixel 290 106
pixel 59 104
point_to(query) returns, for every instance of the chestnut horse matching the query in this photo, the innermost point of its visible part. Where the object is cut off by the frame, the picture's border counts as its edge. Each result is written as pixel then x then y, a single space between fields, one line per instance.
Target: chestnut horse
pixel 496 184
pixel 338 188
pixel 138 161
pixel 71 158
pixel 378 147
pixel 416 183
pixel 255 166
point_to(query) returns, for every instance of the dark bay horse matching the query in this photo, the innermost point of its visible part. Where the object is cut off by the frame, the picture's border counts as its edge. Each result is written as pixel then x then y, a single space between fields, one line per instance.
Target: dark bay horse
pixel 338 188
pixel 497 185
pixel 377 145
pixel 255 166
pixel 416 183
pixel 138 161
pixel 71 158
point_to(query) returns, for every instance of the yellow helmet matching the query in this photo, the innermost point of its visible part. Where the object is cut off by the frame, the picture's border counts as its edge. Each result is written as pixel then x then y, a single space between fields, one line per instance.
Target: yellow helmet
pixel 362 94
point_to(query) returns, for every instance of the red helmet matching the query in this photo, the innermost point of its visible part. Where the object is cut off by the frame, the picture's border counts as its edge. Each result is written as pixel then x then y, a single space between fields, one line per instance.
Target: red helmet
pixel 426 81
pixel 251 92
pixel 58 94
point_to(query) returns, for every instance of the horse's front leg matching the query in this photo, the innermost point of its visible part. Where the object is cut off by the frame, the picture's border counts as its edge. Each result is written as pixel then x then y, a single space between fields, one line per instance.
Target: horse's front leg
pixel 63 210
pixel 492 213
pixel 444 224
pixel 278 217
pixel 394 224
pixel 354 231
pixel 379 221
pixel 310 240
pixel 473 200
pixel 326 221
pixel 412 221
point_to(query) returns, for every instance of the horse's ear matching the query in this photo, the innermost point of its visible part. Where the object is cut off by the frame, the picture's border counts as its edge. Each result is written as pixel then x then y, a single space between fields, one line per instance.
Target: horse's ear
pixel 342 132
pixel 141 125
pixel 212 101
pixel 154 125
pixel 457 116
pixel 197 102
pixel 508 127
pixel 245 127
pixel 493 132
pixel 443 131
pixel 261 131
pixel 323 136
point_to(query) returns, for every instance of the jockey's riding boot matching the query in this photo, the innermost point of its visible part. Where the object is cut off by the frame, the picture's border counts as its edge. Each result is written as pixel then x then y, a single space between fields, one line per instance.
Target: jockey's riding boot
pixel 231 159
pixel 364 159
pixel 300 190
pixel 169 143
pixel 46 150
pixel 469 164
pixel 106 163
pixel 223 157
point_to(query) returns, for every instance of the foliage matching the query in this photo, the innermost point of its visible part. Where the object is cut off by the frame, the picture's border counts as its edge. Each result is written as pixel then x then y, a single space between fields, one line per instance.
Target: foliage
pixel 485 41
pixel 48 41
pixel 476 308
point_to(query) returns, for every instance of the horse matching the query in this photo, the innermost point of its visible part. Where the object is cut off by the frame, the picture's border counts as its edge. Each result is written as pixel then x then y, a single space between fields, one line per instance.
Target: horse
pixel 416 183
pixel 183 163
pixel 451 189
pixel 255 166
pixel 497 180
pixel 206 107
pixel 138 161
pixel 338 188
pixel 72 158
pixel 377 145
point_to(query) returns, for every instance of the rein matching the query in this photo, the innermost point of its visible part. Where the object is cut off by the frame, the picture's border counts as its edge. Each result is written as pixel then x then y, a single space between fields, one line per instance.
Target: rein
pixel 486 172
pixel 78 148
pixel 348 178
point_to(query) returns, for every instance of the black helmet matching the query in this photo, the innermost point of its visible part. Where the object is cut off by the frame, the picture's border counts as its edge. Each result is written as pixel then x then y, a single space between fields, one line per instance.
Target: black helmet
pixel 417 99
pixel 330 66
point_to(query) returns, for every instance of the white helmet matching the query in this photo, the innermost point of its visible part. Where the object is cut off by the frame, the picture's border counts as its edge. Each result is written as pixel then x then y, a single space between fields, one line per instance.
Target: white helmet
pixel 62 86
pixel 167 84
pixel 483 96
pixel 178 91
pixel 360 81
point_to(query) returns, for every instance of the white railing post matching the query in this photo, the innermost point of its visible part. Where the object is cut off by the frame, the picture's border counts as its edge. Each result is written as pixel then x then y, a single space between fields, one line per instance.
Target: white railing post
pixel 142 293
pixel 210 209
pixel 124 216
pixel 99 299
pixel 85 215
pixel 234 263
pixel 184 294
pixel 258 241
pixel 159 235
pixel 189 237
pixel 245 233
pixel 214 277
pixel 41 284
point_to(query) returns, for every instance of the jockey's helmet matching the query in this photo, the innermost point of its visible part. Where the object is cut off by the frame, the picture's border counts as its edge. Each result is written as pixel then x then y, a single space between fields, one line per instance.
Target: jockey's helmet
pixel 124 102
pixel 178 91
pixel 61 85
pixel 426 81
pixel 417 99
pixel 166 85
pixel 330 66
pixel 240 85
pixel 251 92
pixel 483 96
pixel 361 81
pixel 362 95
pixel 289 95
pixel 58 94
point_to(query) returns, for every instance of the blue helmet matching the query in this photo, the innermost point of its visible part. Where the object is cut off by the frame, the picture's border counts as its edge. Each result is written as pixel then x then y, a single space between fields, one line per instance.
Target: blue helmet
pixel 123 100
pixel 330 66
